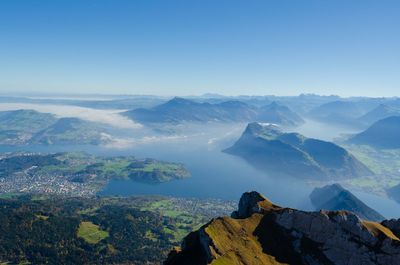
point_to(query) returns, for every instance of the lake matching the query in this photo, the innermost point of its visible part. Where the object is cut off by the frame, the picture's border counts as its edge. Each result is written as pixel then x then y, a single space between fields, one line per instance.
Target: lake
pixel 214 173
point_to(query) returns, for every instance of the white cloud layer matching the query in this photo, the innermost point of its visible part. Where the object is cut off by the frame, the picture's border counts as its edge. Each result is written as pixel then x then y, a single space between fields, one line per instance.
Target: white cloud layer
pixel 110 117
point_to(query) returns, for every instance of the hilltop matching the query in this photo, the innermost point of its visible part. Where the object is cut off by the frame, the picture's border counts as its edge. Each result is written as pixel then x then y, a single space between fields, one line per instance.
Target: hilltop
pixel 18 126
pixel 23 127
pixel 260 232
pixel 71 131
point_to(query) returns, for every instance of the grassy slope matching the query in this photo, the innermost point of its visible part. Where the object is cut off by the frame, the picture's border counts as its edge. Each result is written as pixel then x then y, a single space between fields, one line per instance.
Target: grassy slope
pixel 236 243
pixel 91 233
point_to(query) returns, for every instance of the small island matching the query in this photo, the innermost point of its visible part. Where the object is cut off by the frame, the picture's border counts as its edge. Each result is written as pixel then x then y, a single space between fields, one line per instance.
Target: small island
pixel 78 174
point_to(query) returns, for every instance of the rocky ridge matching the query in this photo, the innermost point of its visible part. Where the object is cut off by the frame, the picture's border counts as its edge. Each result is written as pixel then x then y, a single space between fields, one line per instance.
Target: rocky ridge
pixel 260 232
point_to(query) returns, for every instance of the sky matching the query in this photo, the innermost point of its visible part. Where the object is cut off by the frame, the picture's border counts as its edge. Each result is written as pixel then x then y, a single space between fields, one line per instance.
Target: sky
pixel 171 47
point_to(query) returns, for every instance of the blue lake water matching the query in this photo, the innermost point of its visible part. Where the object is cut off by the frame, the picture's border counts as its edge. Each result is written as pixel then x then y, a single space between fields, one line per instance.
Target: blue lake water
pixel 214 174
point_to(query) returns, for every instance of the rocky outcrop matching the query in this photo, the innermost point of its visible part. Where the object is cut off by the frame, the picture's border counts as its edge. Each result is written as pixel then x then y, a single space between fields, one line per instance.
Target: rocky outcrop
pixel 250 203
pixel 393 225
pixel 260 232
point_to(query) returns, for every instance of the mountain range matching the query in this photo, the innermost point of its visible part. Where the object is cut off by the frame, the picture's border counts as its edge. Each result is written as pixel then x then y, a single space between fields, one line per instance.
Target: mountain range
pixel 335 198
pixel 267 147
pixel 260 232
pixel 179 110
pixel 341 112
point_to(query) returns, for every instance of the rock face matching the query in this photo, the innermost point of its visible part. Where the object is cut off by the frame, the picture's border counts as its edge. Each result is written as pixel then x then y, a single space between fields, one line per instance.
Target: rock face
pixel 266 147
pixel 334 198
pixel 262 233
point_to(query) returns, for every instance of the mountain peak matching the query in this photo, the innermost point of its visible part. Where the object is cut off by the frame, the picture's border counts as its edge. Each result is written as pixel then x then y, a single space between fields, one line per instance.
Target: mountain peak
pixel 179 100
pixel 258 128
pixel 250 203
pixel 279 114
pixel 274 104
pixel 268 234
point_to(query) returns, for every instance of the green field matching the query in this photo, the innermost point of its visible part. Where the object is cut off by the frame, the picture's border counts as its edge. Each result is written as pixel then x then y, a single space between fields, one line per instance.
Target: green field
pixel 384 163
pixel 381 161
pixel 91 233
pixel 114 230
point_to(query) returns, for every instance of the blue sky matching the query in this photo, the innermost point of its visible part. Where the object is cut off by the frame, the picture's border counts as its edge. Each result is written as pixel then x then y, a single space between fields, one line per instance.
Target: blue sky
pixel 171 47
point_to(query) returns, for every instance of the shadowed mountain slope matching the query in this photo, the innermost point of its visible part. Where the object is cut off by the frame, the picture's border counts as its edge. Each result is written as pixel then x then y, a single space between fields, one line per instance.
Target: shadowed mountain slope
pixel 334 198
pixel 382 134
pixel 266 147
pixel 379 113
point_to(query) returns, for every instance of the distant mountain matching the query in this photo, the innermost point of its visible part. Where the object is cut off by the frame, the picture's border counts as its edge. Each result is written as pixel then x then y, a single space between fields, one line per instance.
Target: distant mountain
pixel 25 120
pixel 71 131
pixel 267 147
pixel 179 110
pixel 22 127
pixel 18 126
pixel 260 232
pixel 382 134
pixel 381 112
pixel 335 198
pixel 341 112
pixel 279 114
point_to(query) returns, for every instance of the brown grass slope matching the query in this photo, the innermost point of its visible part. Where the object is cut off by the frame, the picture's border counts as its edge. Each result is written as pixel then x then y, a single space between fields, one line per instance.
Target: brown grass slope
pixel 263 233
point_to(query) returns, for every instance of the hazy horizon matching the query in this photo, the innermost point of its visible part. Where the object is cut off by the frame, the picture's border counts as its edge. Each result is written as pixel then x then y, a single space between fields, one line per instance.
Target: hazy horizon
pixel 106 96
pixel 348 48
